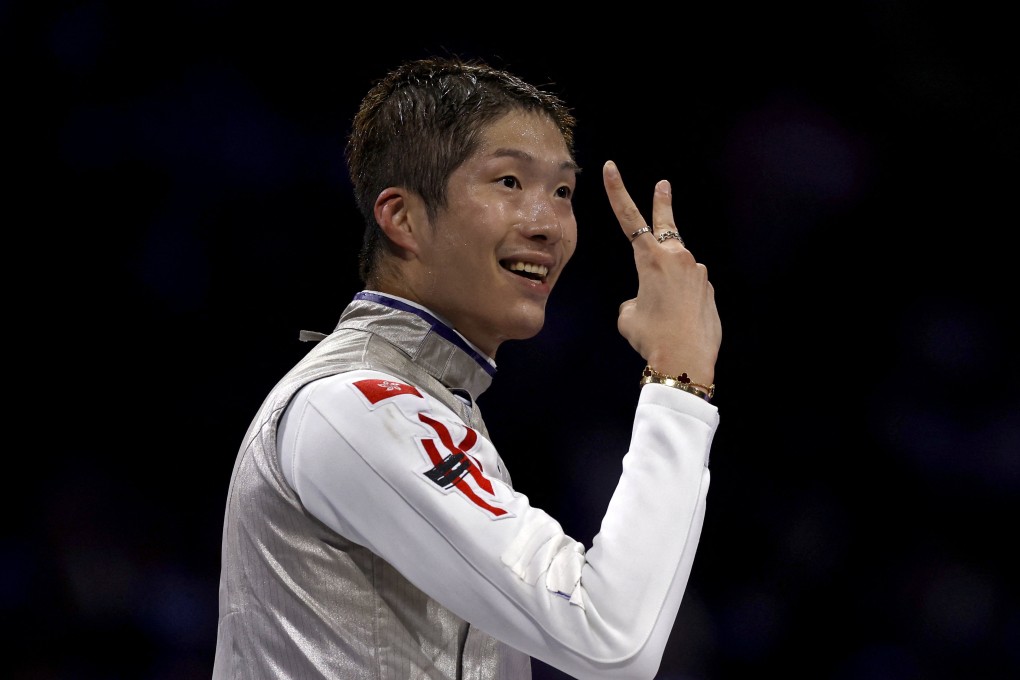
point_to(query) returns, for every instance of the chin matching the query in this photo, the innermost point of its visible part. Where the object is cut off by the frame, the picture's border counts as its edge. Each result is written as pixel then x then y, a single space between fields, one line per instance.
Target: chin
pixel 527 325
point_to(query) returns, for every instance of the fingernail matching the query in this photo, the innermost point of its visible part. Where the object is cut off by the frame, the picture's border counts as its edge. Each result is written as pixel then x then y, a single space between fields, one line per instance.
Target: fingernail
pixel 663 187
pixel 611 169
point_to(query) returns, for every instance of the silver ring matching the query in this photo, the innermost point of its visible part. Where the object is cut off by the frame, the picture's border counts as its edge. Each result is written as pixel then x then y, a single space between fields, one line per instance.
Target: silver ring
pixel 642 230
pixel 670 234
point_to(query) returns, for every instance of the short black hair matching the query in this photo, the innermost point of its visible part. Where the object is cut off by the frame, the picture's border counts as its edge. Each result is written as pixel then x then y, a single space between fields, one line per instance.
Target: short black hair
pixel 421 121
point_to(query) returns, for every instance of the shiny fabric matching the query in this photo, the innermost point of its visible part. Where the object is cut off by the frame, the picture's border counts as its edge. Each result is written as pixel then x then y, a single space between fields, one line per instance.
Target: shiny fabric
pixel 297 600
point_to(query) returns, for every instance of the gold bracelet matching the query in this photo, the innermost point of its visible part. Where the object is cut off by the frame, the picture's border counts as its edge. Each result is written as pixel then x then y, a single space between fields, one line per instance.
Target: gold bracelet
pixel 680 382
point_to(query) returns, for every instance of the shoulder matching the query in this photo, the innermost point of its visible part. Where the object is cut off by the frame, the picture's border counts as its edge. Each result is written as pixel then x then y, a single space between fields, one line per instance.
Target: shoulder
pixel 354 395
pixel 371 386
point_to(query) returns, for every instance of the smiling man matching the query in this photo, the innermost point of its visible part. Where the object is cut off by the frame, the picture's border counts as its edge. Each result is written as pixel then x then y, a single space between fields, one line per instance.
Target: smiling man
pixel 486 258
pixel 371 528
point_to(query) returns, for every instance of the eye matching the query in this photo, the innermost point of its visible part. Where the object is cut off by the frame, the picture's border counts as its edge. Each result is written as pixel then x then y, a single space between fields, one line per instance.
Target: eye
pixel 510 182
pixel 564 192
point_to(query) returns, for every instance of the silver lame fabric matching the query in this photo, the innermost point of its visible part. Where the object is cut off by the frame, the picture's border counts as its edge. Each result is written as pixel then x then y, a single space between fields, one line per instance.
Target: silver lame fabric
pixel 299 601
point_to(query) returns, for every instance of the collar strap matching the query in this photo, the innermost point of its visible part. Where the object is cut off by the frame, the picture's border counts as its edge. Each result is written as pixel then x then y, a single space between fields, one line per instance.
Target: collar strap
pixel 438 326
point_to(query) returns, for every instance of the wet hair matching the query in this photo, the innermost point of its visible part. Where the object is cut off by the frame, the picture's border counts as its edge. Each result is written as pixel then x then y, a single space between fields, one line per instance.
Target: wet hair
pixel 421 121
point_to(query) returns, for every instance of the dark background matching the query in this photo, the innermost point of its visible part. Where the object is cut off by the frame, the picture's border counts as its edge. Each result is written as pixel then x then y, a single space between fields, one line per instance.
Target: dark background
pixel 847 174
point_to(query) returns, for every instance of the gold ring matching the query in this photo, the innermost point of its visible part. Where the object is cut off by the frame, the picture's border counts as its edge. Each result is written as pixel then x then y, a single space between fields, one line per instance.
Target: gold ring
pixel 642 230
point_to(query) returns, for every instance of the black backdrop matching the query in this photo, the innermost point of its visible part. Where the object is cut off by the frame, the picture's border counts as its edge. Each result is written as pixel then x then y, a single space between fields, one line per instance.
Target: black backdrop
pixel 848 175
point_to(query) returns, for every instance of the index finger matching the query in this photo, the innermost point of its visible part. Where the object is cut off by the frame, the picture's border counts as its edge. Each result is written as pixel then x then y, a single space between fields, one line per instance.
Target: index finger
pixel 623 205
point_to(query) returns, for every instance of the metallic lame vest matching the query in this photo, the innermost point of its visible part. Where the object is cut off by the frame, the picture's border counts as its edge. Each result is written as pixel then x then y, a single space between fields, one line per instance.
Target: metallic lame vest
pixel 299 601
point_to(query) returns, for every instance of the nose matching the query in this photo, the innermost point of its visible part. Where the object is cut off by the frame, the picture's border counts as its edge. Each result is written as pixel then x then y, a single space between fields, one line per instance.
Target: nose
pixel 543 223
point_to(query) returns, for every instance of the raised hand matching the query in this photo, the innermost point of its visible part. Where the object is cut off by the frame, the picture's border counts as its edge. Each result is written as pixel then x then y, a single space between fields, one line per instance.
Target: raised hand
pixel 672 322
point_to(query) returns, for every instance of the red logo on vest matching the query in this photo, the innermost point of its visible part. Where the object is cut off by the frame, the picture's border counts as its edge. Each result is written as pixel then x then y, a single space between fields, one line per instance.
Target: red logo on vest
pixel 377 390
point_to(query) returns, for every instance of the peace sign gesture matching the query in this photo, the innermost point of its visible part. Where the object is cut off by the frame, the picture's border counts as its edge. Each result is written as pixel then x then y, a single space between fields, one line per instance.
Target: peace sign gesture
pixel 672 322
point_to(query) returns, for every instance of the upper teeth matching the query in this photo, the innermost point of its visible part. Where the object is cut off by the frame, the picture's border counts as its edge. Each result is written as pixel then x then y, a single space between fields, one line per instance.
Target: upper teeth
pixel 539 269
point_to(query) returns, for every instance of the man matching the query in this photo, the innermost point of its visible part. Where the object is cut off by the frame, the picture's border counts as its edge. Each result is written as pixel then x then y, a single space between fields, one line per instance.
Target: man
pixel 371 529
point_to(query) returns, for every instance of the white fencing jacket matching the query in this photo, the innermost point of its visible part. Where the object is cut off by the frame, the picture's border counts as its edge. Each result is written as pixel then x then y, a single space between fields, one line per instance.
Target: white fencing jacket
pixel 391 465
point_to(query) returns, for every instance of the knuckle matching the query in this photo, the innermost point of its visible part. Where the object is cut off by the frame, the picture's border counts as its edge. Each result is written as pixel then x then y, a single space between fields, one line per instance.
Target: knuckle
pixel 631 213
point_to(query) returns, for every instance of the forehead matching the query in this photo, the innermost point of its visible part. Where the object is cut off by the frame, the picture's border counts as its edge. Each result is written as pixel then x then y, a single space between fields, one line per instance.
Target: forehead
pixel 532 133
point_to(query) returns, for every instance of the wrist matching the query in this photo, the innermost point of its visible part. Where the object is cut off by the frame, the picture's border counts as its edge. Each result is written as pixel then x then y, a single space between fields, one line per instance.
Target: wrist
pixel 650 376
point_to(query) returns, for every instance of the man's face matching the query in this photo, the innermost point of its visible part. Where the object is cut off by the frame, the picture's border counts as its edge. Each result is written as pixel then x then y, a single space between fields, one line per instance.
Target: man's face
pixel 497 249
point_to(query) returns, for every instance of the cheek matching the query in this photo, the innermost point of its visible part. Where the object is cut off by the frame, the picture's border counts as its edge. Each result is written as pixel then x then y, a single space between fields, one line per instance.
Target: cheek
pixel 570 240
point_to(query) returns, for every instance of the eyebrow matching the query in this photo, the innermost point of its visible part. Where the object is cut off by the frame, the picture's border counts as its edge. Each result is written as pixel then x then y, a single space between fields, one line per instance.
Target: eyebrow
pixel 525 156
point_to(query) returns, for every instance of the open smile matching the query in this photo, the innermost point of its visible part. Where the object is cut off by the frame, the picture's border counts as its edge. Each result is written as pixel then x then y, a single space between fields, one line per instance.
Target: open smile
pixel 528 270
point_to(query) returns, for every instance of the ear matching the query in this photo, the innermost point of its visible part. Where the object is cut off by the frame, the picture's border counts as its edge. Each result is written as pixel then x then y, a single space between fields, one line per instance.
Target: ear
pixel 400 215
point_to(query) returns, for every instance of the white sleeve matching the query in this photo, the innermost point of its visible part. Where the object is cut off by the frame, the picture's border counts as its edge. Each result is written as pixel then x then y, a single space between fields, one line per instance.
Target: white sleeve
pixel 396 471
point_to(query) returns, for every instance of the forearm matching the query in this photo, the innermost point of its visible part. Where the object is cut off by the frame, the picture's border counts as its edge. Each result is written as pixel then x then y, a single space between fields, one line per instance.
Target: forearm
pixel 633 578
